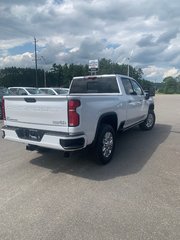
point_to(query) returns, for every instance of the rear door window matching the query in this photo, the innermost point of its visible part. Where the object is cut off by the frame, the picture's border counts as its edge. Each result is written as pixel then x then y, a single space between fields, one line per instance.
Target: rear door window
pixel 137 89
pixel 127 86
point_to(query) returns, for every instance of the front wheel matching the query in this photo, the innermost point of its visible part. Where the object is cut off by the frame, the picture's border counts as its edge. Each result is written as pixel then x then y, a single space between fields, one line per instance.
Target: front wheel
pixel 105 144
pixel 149 122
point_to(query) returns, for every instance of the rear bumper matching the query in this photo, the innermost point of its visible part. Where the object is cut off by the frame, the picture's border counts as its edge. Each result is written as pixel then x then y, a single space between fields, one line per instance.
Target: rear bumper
pixel 46 139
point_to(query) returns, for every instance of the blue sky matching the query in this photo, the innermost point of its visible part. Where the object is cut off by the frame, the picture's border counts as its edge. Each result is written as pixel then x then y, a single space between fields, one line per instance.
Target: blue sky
pixel 27 47
pixel 75 31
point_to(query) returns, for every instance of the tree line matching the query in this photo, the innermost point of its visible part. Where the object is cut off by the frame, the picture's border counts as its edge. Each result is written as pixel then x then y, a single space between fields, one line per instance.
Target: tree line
pixel 61 75
pixel 170 85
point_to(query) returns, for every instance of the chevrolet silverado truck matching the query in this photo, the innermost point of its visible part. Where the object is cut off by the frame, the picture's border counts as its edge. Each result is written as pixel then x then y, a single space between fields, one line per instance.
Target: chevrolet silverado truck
pixel 95 109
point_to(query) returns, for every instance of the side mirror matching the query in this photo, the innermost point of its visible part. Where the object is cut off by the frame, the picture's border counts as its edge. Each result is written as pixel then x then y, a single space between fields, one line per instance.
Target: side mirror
pixel 147 96
pixel 150 91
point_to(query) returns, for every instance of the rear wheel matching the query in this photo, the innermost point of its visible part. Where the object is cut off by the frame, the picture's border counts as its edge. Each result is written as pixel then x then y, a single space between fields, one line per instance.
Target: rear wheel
pixel 149 122
pixel 105 144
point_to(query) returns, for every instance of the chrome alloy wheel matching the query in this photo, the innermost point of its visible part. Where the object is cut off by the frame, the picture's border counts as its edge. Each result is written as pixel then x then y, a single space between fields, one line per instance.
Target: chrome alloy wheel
pixel 107 144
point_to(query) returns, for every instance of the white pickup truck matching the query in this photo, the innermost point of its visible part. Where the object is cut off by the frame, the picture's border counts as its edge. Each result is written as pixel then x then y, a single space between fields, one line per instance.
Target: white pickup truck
pixel 95 109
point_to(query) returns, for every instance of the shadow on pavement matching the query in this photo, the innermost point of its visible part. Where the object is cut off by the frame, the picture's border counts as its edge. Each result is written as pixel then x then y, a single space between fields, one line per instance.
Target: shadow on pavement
pixel 133 149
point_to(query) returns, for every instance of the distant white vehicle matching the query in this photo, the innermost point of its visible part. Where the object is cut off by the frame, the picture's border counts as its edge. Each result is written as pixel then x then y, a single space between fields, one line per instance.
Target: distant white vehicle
pixel 61 90
pixel 53 91
pixel 22 90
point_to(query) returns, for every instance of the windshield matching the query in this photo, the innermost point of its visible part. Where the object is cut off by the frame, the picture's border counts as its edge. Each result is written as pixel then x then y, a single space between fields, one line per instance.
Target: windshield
pixel 61 91
pixel 46 91
pixel 32 90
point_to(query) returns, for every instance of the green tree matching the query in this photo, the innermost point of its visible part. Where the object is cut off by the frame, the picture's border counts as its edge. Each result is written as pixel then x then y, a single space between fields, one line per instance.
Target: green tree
pixel 55 78
pixel 178 84
pixel 170 85
pixel 105 66
pixel 61 75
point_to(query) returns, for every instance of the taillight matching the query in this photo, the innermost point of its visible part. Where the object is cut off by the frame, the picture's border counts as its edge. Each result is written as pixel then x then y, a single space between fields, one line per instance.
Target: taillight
pixel 73 116
pixel 3 109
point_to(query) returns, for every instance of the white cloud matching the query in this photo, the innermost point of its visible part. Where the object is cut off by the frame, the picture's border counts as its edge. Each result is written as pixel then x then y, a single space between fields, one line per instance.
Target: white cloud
pixel 21 60
pixel 171 72
pixel 73 50
pixel 75 30
pixel 154 73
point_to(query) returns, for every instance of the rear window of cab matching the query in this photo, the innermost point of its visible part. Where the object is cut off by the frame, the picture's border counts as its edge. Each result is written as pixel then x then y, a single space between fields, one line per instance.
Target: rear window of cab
pixel 93 84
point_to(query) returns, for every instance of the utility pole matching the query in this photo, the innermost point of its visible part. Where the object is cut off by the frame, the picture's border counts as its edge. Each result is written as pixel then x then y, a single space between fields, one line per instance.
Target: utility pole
pixel 130 55
pixel 44 78
pixel 128 67
pixel 35 55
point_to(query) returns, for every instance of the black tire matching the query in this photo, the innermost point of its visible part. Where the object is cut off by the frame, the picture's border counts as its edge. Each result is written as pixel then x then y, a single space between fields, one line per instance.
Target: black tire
pixel 148 124
pixel 105 144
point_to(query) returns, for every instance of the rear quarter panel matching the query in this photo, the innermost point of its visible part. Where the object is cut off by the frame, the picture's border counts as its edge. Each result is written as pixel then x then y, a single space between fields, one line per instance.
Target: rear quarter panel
pixel 93 107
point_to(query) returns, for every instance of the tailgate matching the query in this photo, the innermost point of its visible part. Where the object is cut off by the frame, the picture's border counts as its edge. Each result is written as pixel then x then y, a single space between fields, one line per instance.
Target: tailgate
pixel 39 112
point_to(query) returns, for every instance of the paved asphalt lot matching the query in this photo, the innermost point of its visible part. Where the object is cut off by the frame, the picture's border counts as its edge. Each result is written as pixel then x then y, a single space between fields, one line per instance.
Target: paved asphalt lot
pixel 136 196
